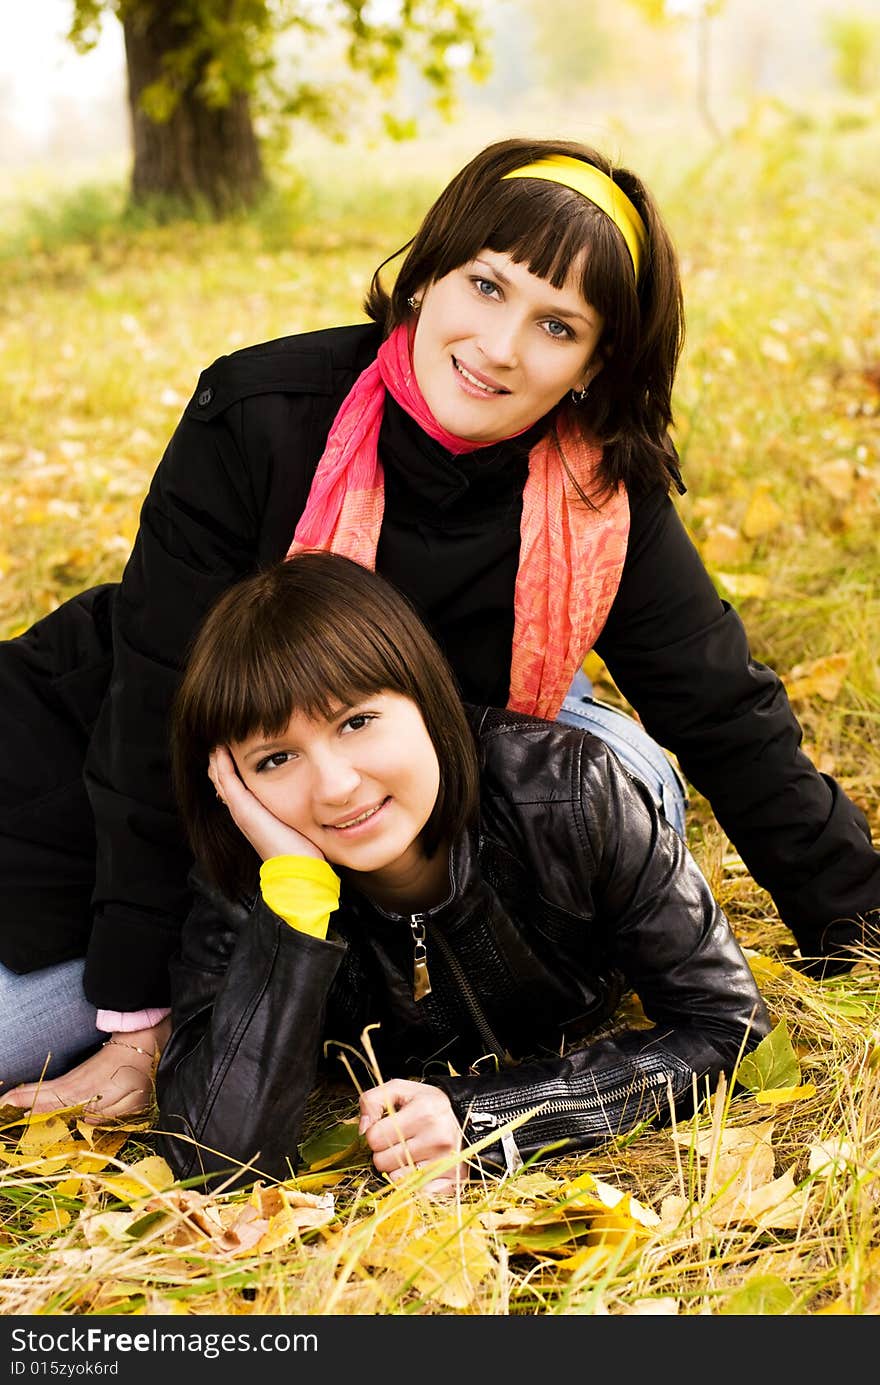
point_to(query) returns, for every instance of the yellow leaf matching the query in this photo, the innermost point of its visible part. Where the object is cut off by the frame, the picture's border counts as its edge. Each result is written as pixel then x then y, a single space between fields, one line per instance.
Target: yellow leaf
pixel 588 1261
pixel 744 584
pixel 723 545
pixel 96 1157
pixel 762 515
pixel 762 967
pixel 779 1096
pixel 447 1263
pixel 39 1136
pixel 69 1187
pixel 837 477
pixel 288 1223
pixel 151 1175
pixel 54 1220
pixel 822 678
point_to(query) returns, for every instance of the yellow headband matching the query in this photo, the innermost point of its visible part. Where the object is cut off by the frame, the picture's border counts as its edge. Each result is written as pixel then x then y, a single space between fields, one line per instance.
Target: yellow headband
pixel 598 188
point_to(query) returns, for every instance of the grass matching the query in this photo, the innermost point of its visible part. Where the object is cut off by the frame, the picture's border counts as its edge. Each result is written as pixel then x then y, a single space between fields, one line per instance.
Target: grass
pixel 108 321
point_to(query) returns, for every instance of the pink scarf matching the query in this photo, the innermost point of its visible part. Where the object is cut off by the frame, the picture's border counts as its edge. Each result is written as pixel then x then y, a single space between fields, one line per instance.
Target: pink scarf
pixel 571 556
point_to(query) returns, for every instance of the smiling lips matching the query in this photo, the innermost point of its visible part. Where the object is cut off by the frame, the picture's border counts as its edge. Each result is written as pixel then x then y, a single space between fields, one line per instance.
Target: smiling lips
pixel 483 384
pixel 350 823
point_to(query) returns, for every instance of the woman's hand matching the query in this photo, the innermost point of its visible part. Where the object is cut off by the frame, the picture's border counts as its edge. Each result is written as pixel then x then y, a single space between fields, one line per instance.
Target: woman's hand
pixel 116 1081
pixel 410 1125
pixel 266 833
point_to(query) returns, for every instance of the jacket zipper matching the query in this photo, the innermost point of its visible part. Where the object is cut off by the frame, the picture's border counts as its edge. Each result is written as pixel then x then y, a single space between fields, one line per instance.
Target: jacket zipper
pixel 422 981
pixel 555 1107
pixel 421 978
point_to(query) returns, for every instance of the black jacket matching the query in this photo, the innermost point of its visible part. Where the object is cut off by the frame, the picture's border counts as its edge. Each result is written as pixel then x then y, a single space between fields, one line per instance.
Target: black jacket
pixel 570 888
pixel 225 499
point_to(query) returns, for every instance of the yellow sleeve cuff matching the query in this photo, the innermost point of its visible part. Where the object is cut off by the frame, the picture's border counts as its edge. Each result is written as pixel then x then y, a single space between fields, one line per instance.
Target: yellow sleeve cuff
pixel 302 890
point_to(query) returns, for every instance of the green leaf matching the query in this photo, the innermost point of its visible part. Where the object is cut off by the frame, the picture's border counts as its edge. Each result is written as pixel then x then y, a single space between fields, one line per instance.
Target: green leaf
pixel 334 1147
pixel 772 1064
pixel 765 1295
pixel 146 1223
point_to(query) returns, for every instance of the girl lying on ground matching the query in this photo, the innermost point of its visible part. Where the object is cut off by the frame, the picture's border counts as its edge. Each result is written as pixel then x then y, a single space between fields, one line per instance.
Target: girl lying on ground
pixel 482 885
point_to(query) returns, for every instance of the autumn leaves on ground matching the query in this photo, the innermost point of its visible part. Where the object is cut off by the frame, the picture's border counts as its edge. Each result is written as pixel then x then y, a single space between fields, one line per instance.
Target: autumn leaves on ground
pixel 768 1202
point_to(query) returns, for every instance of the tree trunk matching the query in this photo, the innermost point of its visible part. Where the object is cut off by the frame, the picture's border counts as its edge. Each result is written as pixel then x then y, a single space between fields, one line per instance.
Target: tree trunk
pixel 203 156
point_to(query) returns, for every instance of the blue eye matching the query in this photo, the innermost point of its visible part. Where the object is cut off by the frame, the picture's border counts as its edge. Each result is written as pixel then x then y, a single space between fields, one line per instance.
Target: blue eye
pixel 485 287
pixel 563 331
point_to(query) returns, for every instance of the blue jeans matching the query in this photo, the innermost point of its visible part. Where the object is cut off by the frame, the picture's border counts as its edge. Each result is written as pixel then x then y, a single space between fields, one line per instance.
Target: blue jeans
pixel 44 1014
pixel 641 755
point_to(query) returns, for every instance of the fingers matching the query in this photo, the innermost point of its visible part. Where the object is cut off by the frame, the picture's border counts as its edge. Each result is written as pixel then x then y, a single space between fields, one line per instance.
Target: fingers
pixel 411 1125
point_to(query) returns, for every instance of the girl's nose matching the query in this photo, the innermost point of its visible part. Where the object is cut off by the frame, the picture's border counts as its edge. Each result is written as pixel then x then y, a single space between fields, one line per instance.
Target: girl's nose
pixel 335 779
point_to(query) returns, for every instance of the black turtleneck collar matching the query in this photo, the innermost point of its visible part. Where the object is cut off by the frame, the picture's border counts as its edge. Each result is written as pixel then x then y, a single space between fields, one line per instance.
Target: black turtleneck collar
pixel 424 476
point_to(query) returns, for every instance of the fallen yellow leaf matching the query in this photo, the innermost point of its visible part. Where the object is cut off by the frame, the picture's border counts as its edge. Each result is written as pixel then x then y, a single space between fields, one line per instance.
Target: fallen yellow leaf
pixel 722 545
pixel 148 1176
pixel 780 1096
pixel 822 678
pixel 744 584
pixel 54 1220
pixel 762 515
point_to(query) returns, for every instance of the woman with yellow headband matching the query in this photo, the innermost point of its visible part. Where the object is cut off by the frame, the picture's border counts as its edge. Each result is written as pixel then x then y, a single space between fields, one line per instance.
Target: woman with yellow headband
pixel 494 441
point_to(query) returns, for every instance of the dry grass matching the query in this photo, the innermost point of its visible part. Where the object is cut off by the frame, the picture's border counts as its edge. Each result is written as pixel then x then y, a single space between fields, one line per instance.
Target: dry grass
pixel 779 397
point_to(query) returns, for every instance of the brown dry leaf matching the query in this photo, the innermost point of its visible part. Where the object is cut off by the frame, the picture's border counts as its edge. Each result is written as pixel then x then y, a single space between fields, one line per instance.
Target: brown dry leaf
pixel 831 1157
pixel 738 1140
pixel 196 1218
pixel 778 1206
pixel 762 515
pixel 447 1263
pixel 723 545
pixel 821 678
pixel 274 1216
pixel 673 1210
pixel 653 1307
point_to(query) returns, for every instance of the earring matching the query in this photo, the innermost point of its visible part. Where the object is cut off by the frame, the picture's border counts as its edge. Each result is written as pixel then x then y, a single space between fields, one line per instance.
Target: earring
pixel 578 396
pixel 413 303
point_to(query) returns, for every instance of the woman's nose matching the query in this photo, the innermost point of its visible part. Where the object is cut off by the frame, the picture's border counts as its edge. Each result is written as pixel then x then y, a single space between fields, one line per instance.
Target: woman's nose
pixel 499 342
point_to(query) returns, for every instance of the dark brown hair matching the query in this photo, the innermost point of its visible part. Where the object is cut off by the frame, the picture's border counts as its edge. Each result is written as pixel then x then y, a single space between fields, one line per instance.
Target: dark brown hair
pixel 307 635
pixel 547 227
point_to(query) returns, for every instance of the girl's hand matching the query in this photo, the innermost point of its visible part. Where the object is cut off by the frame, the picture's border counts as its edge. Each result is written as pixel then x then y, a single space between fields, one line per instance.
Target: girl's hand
pixel 266 833
pixel 410 1125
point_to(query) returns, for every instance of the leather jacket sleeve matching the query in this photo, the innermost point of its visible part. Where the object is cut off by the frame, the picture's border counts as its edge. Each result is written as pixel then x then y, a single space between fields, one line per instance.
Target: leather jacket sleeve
pixel 681 657
pixel 250 995
pixel 673 945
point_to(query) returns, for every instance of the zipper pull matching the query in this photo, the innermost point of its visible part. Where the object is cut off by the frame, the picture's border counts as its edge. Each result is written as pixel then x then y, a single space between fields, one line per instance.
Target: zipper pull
pixel 421 979
pixel 512 1157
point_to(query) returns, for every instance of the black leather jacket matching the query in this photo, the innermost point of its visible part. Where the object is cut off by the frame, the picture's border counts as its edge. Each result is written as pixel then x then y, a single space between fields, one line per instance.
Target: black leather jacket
pixel 570 888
